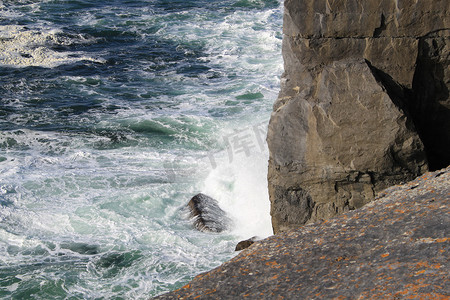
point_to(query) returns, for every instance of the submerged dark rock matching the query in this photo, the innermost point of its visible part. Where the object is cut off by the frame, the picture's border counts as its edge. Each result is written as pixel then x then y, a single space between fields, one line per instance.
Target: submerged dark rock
pixel 207 214
pixel 396 247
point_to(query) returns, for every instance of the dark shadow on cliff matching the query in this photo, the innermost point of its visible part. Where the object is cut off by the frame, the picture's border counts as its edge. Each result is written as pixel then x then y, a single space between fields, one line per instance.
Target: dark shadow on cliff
pixel 423 105
pixel 430 106
pixel 398 94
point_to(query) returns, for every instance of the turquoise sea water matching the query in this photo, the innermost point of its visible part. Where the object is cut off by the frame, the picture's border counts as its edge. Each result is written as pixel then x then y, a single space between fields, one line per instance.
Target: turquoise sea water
pixel 112 116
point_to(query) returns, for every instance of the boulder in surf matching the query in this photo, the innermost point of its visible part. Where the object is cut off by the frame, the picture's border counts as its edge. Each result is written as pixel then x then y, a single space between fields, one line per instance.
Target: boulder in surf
pixel 207 215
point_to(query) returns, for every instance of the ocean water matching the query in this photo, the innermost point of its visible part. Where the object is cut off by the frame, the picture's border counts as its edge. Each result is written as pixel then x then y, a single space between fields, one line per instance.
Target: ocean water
pixel 113 114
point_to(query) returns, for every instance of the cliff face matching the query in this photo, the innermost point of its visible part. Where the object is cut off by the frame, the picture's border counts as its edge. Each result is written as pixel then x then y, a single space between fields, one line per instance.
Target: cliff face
pixel 364 104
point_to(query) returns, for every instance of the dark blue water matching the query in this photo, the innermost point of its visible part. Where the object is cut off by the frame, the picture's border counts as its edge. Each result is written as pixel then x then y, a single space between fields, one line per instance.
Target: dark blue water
pixel 114 114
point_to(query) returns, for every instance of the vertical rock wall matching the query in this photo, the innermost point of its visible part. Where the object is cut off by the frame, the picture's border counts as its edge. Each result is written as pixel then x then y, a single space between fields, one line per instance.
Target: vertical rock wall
pixel 364 104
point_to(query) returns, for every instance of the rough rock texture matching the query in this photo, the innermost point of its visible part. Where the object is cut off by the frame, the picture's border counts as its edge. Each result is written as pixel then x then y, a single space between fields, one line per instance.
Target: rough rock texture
pixel 364 104
pixel 393 248
pixel 207 215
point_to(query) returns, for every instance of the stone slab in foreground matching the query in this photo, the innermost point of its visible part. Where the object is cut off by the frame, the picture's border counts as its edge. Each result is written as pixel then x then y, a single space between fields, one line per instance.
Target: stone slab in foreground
pixel 395 247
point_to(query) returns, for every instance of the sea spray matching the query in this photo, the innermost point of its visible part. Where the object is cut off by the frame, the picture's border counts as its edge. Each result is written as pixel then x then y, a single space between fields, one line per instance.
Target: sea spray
pixel 239 182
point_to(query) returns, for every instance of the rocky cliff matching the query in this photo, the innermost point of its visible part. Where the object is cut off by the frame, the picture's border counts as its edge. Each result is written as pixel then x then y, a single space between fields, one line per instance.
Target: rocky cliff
pixel 364 104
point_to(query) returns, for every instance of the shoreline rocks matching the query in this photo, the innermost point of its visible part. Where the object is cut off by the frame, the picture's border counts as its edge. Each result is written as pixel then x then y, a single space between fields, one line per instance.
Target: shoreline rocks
pixel 395 247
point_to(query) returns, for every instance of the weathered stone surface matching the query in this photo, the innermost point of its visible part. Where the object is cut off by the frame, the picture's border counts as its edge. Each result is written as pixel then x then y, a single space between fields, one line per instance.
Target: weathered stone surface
pixel 393 248
pixel 364 104
pixel 207 215
pixel 360 19
pixel 335 144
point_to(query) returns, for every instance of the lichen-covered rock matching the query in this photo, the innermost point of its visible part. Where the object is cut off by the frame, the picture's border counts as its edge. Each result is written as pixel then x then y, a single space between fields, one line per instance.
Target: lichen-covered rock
pixel 364 104
pixel 207 214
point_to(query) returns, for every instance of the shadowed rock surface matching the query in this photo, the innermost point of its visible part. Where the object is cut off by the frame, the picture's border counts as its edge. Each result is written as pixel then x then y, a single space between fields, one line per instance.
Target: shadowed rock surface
pixel 207 215
pixel 395 247
pixel 364 104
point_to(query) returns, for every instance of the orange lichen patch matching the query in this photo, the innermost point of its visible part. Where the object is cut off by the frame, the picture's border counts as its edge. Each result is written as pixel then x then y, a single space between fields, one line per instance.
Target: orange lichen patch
pixel 422 264
pixel 416 287
pixel 271 263
pixel 274 277
pixel 302 270
pixel 420 272
pixel 341 258
pixel 442 240
pixel 392 266
pixel 433 296
pixel 385 255
pixel 399 211
pixel 208 292
pixel 187 286
pixel 412 292
pixel 436 266
pixel 404 292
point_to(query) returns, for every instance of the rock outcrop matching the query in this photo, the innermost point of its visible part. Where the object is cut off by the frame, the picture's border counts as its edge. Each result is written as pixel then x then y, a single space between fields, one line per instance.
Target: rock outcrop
pixel 207 215
pixel 393 248
pixel 364 104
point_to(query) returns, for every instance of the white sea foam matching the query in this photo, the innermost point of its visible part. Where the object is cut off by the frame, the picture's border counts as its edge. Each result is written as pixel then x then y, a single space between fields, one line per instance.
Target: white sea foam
pixel 238 180
pixel 23 47
pixel 234 41
pixel 241 189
